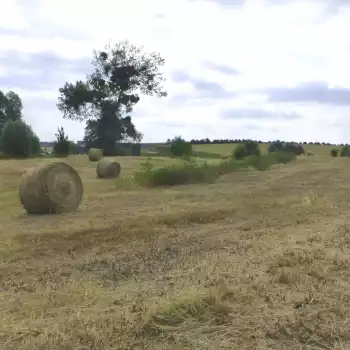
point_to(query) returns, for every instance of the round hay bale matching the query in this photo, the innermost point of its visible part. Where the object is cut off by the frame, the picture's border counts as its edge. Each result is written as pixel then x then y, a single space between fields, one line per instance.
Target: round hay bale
pixel 95 154
pixel 53 188
pixel 108 169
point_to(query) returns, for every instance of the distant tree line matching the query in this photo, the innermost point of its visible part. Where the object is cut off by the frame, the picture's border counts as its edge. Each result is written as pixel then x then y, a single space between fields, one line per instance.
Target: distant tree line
pixel 225 141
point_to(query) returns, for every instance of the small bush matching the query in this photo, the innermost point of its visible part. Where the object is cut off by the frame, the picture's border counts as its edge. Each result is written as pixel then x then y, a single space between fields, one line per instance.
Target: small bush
pixel 227 167
pixel 248 148
pixel 179 147
pixel 345 151
pixel 239 152
pixel 295 148
pixel 283 157
pixel 175 175
pixel 334 152
pixel 265 161
pixel 17 139
pixel 73 148
pixel 287 147
pixel 62 144
pixel 276 146
pixel 261 163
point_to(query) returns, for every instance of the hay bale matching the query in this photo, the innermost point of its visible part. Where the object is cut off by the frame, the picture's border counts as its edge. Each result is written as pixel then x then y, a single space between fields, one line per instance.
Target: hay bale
pixel 95 154
pixel 108 169
pixel 53 188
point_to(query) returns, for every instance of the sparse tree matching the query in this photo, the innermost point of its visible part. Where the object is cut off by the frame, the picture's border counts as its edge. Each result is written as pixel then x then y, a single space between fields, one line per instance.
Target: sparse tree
pixel 62 144
pixel 109 94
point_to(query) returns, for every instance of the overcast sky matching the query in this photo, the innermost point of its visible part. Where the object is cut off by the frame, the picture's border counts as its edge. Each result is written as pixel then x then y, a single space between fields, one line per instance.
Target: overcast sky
pixel 273 69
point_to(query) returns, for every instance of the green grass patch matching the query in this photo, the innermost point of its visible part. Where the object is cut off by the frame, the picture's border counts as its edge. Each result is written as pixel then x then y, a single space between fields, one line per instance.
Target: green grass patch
pixel 176 175
pixel 207 155
pixel 191 171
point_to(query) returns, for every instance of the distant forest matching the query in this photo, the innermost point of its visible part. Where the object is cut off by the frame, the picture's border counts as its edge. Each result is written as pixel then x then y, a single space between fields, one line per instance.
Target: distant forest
pixel 220 141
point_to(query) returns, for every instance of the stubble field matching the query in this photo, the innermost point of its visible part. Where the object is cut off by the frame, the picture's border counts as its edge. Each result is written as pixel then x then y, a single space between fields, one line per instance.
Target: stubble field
pixel 258 260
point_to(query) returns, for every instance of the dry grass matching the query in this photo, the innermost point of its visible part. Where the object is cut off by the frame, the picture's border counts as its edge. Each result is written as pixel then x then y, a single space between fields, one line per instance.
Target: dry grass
pixel 255 261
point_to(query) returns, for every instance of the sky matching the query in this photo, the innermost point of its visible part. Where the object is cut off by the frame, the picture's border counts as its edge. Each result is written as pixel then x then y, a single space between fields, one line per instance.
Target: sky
pixel 258 69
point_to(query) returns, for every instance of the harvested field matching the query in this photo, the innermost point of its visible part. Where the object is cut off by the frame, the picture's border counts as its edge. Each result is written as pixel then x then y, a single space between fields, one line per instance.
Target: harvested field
pixel 258 260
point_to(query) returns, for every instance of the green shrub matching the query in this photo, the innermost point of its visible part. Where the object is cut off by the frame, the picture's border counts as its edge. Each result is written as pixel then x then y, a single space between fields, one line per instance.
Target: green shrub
pixel 227 166
pixel 334 152
pixel 73 148
pixel 287 147
pixel 295 148
pixel 17 139
pixel 276 146
pixel 62 144
pixel 35 146
pixel 175 175
pixel 262 162
pixel 265 161
pixel 147 166
pixel 179 147
pixel 190 172
pixel 345 151
pixel 239 152
pixel 248 148
pixel 283 157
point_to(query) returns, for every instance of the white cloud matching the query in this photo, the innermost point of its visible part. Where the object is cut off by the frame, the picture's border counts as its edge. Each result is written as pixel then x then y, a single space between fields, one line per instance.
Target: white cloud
pixel 12 16
pixel 269 46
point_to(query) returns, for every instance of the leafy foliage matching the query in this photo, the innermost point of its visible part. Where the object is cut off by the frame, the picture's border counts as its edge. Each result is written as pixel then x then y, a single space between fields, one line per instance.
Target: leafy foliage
pixel 262 162
pixel 18 140
pixel 187 173
pixel 345 151
pixel 109 94
pixel 288 147
pixel 73 148
pixel 179 147
pixel 334 152
pixel 248 148
pixel 282 157
pixel 62 144
pixel 190 172
pixel 10 107
pixel 35 147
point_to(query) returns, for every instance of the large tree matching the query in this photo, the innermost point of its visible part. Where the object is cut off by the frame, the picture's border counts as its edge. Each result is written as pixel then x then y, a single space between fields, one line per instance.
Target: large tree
pixel 10 107
pixel 108 95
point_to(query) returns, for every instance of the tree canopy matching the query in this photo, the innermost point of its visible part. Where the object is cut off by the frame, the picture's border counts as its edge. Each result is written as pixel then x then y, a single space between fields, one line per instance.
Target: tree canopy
pixel 10 107
pixel 108 95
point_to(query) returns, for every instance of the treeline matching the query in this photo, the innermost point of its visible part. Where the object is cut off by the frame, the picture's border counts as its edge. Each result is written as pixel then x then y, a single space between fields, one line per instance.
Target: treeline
pixel 225 141
pixel 17 138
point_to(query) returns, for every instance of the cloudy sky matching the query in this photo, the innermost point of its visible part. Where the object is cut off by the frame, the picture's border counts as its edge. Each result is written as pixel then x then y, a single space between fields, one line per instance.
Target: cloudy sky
pixel 261 69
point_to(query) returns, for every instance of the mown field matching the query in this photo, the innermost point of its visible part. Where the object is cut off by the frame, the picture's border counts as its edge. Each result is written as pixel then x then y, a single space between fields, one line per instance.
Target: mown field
pixel 258 260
